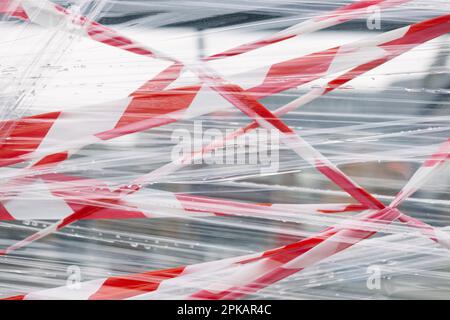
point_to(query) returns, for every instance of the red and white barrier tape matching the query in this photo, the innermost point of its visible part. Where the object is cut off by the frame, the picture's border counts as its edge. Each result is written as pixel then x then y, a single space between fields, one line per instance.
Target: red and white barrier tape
pixel 252 108
pixel 249 273
pixel 51 15
pixel 139 112
pixel 56 196
pixel 265 118
pixel 343 14
pixel 40 12
pixel 295 257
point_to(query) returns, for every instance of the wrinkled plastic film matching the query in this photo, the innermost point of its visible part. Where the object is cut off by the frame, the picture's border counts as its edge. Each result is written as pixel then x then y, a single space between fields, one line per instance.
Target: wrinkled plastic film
pixel 174 150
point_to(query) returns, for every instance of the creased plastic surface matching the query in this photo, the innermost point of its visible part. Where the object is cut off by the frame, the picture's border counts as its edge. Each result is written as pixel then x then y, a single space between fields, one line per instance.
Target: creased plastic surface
pixel 210 150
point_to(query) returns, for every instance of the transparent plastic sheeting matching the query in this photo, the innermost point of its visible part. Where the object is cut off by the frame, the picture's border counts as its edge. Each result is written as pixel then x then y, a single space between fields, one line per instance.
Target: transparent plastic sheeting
pixel 224 150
